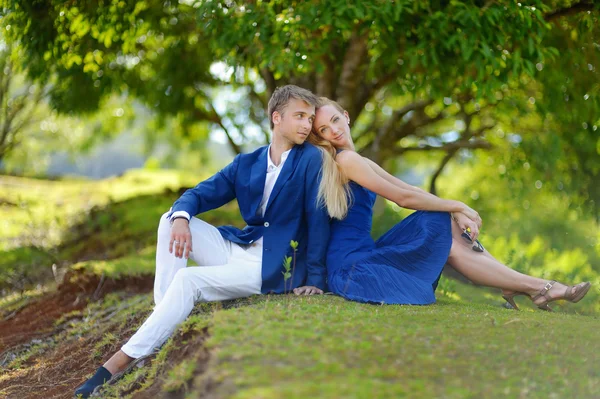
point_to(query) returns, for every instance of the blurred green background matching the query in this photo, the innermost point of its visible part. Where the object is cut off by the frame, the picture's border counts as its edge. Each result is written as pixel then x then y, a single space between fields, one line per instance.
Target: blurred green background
pixel 109 109
pixel 492 103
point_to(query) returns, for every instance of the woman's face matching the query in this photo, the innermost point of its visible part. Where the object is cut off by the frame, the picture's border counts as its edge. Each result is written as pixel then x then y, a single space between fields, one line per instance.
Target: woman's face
pixel 333 126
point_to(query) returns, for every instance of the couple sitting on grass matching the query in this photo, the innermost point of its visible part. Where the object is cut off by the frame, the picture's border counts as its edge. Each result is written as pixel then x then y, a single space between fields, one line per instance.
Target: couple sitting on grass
pixel 310 185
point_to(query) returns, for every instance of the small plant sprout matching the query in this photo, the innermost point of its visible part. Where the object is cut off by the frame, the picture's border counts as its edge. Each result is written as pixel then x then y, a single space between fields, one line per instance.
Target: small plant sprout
pixel 294 245
pixel 287 272
pixel 289 266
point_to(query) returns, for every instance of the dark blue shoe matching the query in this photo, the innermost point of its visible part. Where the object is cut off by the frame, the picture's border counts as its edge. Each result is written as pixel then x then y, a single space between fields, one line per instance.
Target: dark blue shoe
pixel 102 375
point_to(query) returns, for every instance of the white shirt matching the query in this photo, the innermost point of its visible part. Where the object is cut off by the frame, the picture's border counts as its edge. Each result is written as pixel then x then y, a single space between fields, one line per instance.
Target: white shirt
pixel 273 172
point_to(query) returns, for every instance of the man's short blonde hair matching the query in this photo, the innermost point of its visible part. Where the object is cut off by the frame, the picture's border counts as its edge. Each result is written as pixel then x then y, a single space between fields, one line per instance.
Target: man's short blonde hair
pixel 282 96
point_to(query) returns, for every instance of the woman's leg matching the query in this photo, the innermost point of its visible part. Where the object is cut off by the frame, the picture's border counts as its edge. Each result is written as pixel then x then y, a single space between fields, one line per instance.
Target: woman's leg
pixel 483 269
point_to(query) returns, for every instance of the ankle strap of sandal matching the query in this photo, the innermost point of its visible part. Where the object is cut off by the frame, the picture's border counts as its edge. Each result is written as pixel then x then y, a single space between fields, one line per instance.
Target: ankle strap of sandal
pixel 545 290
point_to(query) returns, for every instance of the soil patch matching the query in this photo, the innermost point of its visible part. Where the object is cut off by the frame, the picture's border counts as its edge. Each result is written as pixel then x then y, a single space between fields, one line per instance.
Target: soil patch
pixel 56 373
pixel 189 346
pixel 36 320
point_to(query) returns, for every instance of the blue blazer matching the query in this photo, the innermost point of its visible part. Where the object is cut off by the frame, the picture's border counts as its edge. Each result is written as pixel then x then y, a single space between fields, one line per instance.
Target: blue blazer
pixel 292 213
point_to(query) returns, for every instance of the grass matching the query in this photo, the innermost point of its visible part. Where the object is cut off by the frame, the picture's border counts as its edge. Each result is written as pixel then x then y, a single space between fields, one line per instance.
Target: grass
pixel 142 262
pixel 324 346
pixel 329 347
pixel 28 205
pixel 465 346
pixel 286 346
pixel 77 221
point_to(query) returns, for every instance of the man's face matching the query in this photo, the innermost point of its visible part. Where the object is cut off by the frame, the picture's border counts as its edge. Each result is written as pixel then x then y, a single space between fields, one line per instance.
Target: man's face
pixel 295 123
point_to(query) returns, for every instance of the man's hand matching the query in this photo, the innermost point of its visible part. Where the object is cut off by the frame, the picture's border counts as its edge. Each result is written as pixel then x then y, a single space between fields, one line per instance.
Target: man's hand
pixel 308 290
pixel 181 238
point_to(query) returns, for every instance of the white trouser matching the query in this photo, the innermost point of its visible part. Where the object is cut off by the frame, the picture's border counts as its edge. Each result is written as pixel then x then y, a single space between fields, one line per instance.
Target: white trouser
pixel 226 271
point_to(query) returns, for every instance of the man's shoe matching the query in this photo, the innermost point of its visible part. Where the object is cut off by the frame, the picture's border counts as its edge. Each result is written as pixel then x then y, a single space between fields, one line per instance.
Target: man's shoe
pixel 102 375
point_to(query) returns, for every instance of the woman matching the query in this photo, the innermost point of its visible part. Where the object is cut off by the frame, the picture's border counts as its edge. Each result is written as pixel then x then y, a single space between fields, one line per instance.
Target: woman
pixel 405 264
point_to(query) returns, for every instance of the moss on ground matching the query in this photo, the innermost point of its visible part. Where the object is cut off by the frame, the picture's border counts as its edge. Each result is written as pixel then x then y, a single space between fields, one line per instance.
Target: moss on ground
pixel 329 347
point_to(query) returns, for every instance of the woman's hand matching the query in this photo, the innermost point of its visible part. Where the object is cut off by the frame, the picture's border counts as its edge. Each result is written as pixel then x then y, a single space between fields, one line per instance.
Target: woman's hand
pixel 466 224
pixel 473 215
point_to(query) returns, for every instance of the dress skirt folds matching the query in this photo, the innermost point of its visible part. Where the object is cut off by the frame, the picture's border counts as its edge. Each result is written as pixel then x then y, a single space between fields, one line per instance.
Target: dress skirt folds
pixel 402 267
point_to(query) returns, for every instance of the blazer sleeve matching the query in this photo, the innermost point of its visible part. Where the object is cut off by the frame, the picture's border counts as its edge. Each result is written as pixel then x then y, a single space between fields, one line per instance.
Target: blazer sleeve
pixel 318 226
pixel 211 193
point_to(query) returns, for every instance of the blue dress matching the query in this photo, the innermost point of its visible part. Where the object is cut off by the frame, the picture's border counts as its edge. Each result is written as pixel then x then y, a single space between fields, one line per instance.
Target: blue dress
pixel 402 267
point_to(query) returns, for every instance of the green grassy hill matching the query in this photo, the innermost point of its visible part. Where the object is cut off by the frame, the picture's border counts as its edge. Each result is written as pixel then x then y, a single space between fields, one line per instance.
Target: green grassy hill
pixel 54 335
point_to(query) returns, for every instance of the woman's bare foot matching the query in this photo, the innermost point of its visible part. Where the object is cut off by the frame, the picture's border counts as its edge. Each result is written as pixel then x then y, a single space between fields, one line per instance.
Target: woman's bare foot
pixel 547 292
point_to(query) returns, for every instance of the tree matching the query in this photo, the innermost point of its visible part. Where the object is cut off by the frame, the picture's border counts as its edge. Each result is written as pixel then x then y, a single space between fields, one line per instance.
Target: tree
pixel 438 76
pixel 19 102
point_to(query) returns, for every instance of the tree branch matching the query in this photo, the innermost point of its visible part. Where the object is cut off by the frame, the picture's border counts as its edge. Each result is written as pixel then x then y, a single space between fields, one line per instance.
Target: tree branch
pixel 258 122
pixel 326 81
pixel 354 59
pixel 6 148
pixel 4 81
pixel 236 148
pixel 368 129
pixel 262 101
pixel 371 147
pixel 304 81
pixel 572 10
pixel 27 119
pixel 269 79
pixel 482 129
pixel 388 135
pixel 255 118
pixel 385 136
pixel 399 114
pixel 455 145
pixel 366 91
pixel 467 136
pixel 487 5
pixel 439 170
pixel 216 118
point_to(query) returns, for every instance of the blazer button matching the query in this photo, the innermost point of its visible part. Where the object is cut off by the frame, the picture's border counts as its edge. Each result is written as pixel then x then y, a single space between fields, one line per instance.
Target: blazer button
pixel 266 224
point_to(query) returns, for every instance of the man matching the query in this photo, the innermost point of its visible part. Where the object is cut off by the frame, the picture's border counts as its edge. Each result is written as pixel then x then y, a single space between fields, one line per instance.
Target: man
pixel 276 189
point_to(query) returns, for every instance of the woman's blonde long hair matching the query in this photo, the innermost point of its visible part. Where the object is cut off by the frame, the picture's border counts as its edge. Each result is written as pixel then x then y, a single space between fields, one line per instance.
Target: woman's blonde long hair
pixel 334 189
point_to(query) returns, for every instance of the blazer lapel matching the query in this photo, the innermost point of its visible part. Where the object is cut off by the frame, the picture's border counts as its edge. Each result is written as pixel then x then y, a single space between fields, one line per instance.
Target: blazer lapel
pixel 257 180
pixel 290 165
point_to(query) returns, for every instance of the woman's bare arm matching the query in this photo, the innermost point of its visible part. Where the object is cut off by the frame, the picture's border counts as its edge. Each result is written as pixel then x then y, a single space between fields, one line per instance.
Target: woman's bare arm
pixel 394 180
pixel 360 171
